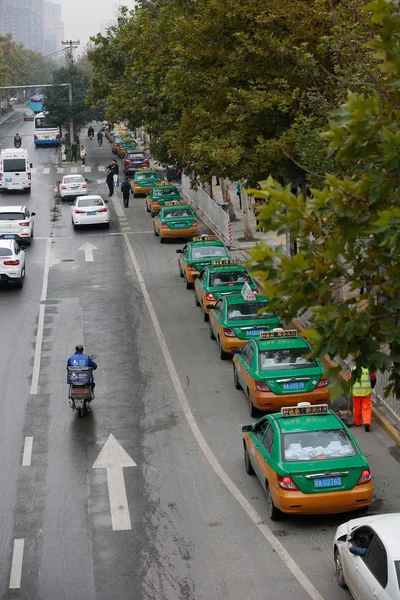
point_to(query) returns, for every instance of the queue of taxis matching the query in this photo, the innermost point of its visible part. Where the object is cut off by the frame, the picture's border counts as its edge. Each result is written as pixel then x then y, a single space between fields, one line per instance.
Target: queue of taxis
pixel 199 253
pixel 222 277
pixel 307 462
pixel 174 221
pixel 143 181
pixel 277 370
pixel 160 194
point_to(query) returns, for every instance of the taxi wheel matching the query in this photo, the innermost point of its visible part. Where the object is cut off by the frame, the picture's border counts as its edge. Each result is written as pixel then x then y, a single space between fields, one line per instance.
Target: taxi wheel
pixel 196 300
pixel 162 240
pixel 155 231
pixel 180 272
pixel 222 354
pixel 210 332
pixel 235 379
pixel 247 464
pixel 273 512
pixel 205 316
pixel 189 285
pixel 339 570
pixel 147 208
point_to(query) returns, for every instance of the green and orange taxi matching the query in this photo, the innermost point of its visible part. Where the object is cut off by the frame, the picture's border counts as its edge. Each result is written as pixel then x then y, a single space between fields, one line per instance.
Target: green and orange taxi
pixel 143 181
pixel 236 318
pixel 276 370
pixel 199 253
pixel 176 220
pixel 29 115
pixel 222 277
pixel 162 192
pixel 307 462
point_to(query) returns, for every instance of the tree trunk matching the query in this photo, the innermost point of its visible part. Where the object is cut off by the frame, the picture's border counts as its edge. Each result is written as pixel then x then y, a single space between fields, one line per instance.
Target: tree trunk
pixel 247 231
pixel 227 199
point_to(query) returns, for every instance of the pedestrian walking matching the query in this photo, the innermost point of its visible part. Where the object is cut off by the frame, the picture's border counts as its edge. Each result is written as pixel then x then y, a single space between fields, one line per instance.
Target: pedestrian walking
pixel 63 153
pixel 361 391
pixel 110 181
pixel 115 172
pixel 126 189
pixel 83 154
pixel 179 175
pixel 239 194
pixel 74 147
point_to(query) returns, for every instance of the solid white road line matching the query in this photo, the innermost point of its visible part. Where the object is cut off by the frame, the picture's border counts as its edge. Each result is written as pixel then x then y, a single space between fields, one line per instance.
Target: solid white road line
pixel 40 327
pixel 16 565
pixel 103 234
pixel 224 477
pixel 101 168
pixel 27 455
pixel 117 207
pixel 46 171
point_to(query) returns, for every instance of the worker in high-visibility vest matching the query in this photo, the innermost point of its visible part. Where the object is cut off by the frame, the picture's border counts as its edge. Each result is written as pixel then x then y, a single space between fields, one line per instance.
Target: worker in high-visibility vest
pixel 361 390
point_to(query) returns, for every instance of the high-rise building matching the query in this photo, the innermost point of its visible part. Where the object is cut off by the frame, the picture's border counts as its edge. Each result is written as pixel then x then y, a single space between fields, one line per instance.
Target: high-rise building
pixel 53 28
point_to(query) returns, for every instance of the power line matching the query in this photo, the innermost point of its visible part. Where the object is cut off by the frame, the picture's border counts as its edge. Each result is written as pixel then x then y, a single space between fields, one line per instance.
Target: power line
pixel 72 45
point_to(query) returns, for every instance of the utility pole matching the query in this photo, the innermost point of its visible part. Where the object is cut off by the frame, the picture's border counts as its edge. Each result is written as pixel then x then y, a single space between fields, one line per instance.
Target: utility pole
pixel 70 46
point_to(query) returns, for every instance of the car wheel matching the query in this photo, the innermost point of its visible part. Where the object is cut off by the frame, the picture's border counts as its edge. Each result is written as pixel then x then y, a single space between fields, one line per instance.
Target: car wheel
pixel 247 464
pixel 210 332
pixel 107 225
pixel 28 190
pixel 147 208
pixel 180 271
pixel 235 379
pixel 196 300
pixel 155 231
pixel 21 281
pixel 189 285
pixel 135 195
pixel 273 512
pixel 252 409
pixel 206 316
pixel 339 570
pixel 75 226
pixel 222 354
pixel 162 240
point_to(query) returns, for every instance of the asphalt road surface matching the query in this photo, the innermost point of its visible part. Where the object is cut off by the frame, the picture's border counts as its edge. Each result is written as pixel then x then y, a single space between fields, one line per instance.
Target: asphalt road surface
pixel 194 526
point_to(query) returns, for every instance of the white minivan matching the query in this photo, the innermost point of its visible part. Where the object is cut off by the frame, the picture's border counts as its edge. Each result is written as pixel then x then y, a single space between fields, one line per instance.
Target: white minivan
pixel 15 170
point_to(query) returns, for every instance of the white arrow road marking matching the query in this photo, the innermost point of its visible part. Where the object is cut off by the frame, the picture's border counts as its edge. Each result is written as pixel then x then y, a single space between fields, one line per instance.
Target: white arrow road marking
pixel 88 250
pixel 27 455
pixel 16 565
pixel 114 458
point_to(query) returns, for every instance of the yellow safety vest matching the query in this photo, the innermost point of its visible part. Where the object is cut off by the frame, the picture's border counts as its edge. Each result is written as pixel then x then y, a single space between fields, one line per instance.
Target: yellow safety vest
pixel 362 386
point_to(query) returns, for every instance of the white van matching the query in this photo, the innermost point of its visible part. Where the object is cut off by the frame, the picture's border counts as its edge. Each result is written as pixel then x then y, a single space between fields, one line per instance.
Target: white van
pixel 15 170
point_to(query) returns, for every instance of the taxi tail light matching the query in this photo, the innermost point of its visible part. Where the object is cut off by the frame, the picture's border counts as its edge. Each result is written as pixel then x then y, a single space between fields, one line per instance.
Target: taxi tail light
pixel 79 212
pixel 24 224
pixel 154 201
pixel 63 187
pixel 192 268
pixel 57 136
pixel 322 382
pixel 102 210
pixel 164 226
pixel 146 160
pixel 287 483
pixel 84 185
pixel 211 297
pixel 194 224
pixel 12 263
pixel 35 137
pixel 365 476
pixel 229 332
pixel 262 386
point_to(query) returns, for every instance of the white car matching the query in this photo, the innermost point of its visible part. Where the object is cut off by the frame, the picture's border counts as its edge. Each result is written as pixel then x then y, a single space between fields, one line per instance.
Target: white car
pixel 17 223
pixel 12 263
pixel 91 210
pixel 72 186
pixel 367 557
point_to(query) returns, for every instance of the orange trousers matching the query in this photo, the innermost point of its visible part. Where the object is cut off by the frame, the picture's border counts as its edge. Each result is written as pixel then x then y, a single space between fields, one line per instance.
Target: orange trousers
pixel 362 410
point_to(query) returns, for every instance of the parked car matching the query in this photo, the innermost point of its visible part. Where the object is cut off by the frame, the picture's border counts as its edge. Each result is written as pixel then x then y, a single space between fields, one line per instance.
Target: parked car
pixel 12 263
pixel 17 223
pixel 135 160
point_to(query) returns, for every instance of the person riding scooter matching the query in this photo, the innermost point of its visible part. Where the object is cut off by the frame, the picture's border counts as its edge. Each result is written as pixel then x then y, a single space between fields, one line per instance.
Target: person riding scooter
pixel 17 140
pixel 79 360
pixel 90 132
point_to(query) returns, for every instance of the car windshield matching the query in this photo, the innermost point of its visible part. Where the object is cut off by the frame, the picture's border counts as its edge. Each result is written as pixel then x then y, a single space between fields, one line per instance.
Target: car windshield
pixel 73 179
pixel 148 175
pixel 249 310
pixel 165 192
pixel 5 252
pixel 8 216
pixel 181 212
pixel 283 359
pixel 229 278
pixel 89 202
pixel 208 252
pixel 316 445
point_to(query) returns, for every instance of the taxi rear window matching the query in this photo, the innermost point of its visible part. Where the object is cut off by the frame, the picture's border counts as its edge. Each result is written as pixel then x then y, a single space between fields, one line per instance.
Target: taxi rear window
pixel 147 175
pixel 208 251
pixel 289 358
pixel 316 445
pixel 166 192
pixel 229 278
pixel 249 310
pixel 180 212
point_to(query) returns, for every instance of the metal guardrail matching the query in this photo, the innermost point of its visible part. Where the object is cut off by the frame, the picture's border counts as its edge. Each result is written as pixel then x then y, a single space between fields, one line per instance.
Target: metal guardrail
pixel 207 207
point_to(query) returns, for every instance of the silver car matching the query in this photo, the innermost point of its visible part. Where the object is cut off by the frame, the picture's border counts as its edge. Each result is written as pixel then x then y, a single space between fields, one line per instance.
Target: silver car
pixel 72 186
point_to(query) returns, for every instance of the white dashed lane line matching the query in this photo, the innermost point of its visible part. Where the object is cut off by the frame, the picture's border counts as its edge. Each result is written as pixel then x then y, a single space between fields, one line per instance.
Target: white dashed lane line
pixel 16 565
pixel 27 455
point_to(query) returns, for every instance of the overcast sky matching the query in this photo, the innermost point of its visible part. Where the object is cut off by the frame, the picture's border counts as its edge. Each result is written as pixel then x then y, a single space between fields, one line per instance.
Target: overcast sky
pixel 83 18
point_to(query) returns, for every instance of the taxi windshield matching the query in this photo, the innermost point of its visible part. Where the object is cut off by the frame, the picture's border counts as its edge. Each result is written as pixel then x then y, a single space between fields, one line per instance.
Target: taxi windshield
pixel 249 310
pixel 229 278
pixel 147 175
pixel 316 445
pixel 177 213
pixel 283 359
pixel 158 193
pixel 208 251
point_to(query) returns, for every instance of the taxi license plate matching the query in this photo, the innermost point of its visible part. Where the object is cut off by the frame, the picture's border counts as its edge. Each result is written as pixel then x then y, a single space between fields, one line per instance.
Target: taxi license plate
pixel 91 213
pixel 9 236
pixel 180 225
pixel 295 385
pixel 326 482
pixel 254 332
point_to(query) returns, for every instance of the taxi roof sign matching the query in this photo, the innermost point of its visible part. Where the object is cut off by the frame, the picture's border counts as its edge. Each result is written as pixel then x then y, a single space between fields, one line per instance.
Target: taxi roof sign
pixel 278 333
pixel 304 409
pixel 176 203
pixel 205 238
pixel 224 261
pixel 162 183
pixel 247 293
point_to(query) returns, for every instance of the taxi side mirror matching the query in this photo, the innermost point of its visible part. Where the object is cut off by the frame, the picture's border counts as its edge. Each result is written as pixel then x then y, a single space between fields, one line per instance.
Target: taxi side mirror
pixel 210 306
pixel 179 251
pixel 247 428
pixel 195 275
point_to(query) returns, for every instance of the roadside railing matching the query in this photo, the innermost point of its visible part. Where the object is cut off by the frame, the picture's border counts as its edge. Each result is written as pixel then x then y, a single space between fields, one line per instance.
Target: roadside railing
pixel 207 207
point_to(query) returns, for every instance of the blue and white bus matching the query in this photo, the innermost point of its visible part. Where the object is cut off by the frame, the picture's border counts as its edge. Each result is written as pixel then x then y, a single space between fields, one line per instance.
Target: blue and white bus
pixel 46 131
pixel 36 103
